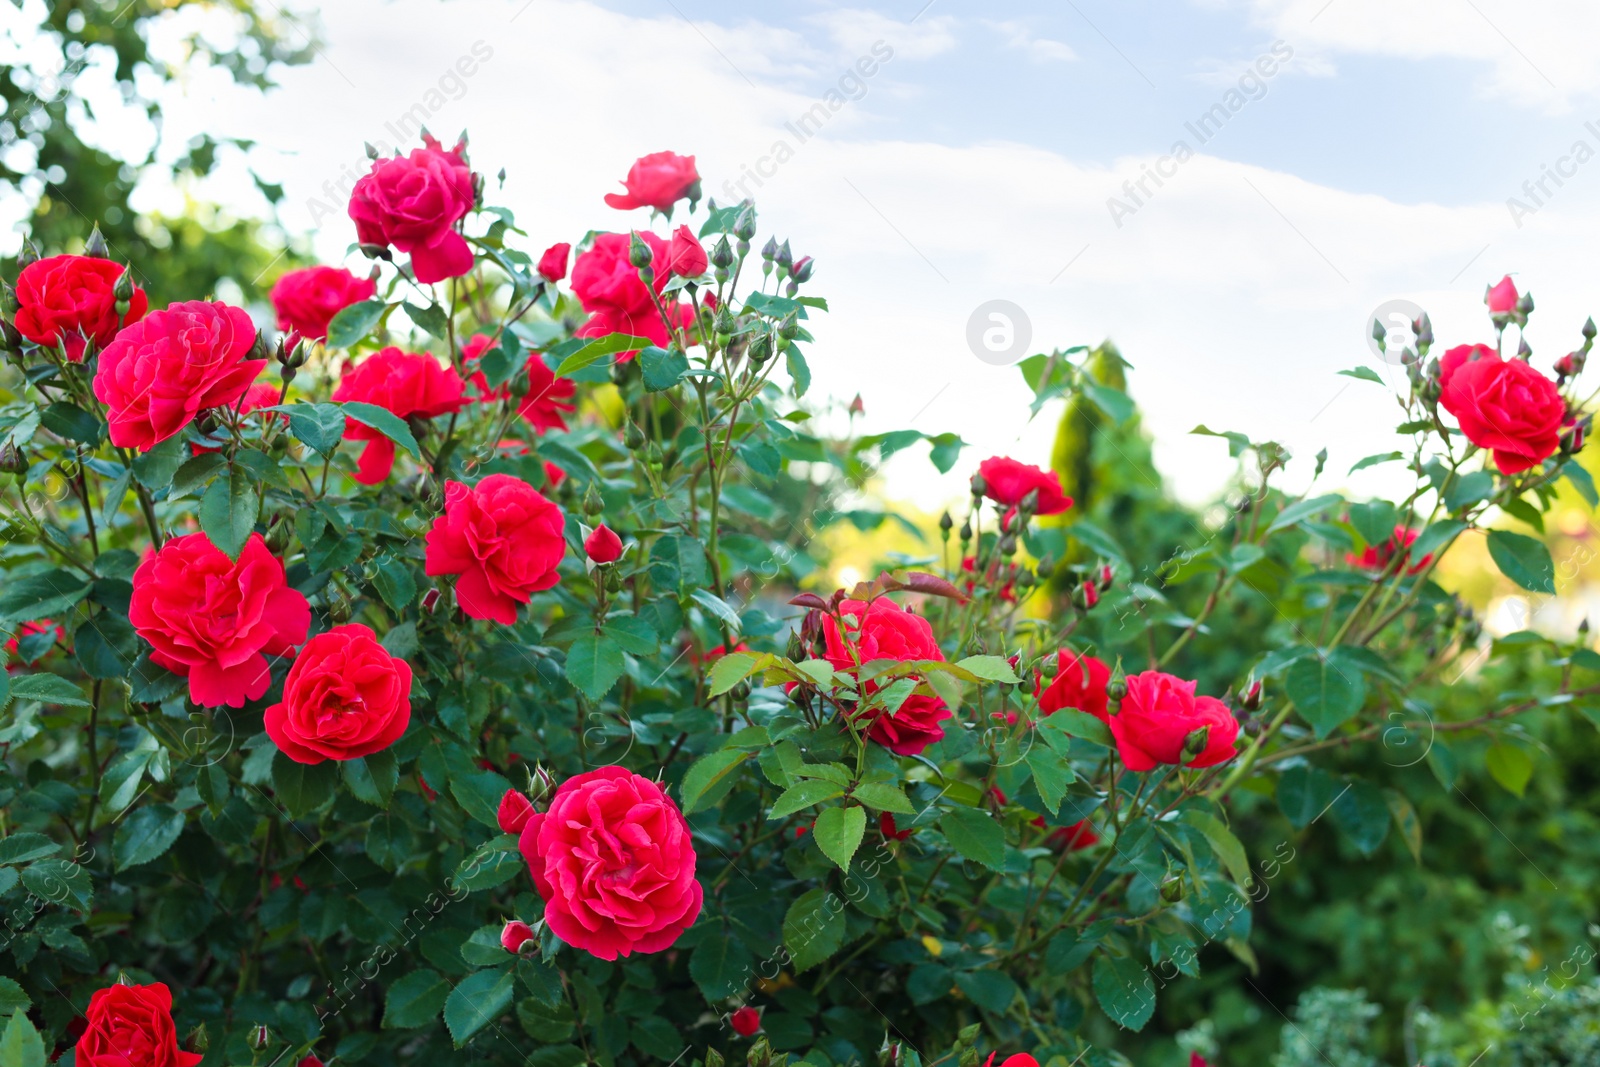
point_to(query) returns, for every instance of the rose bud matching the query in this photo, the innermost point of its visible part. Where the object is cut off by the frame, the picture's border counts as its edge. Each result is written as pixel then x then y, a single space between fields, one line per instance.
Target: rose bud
pixel 515 810
pixel 1501 298
pixel 514 935
pixel 603 545
pixel 310 1061
pixel 1252 696
pixel 260 1038
pixel 746 1021
pixel 685 257
pixel 553 264
pixel 1106 575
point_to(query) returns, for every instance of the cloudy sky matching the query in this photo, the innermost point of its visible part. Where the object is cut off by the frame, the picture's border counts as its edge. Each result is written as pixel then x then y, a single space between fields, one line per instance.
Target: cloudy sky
pixel 1357 151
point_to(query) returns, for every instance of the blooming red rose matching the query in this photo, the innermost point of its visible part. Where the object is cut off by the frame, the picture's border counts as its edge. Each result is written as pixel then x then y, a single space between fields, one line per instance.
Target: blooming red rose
pixel 658 181
pixel 161 371
pixel 1504 406
pixel 553 264
pixel 684 254
pixel 1378 557
pixel 28 629
pixel 504 540
pixel 1158 717
pixel 745 1022
pixel 609 288
pixel 69 300
pixel 413 203
pixel 885 630
pixel 603 545
pixel 1080 682
pixel 345 698
pixel 307 299
pixel 1008 481
pixel 216 620
pixel 403 383
pixel 613 861
pixel 514 935
pixel 1501 297
pixel 1020 1059
pixel 515 810
pixel 131 1026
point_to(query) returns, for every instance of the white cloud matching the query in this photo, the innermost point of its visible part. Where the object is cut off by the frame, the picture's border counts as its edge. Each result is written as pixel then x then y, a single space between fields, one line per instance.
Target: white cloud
pixel 855 30
pixel 1038 49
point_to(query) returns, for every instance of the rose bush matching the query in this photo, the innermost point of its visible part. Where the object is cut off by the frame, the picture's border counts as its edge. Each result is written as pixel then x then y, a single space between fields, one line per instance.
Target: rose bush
pixel 458 671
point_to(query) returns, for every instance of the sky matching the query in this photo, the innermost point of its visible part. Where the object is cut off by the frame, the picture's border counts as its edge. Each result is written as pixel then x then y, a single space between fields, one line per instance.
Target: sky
pixel 1357 151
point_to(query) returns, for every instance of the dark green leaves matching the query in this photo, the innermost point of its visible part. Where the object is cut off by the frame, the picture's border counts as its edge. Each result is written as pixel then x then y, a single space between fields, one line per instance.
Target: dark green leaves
pixel 228 510
pixel 354 322
pixel 20 1044
pixel 26 847
pixel 594 663
pixel 814 928
pixel 372 778
pixel 72 422
pixel 476 1002
pixel 975 835
pixel 145 835
pixel 1327 690
pixel 1124 990
pixel 51 593
pixel 1524 560
pixel 709 778
pixel 303 787
pixel 662 368
pixel 385 422
pixel 414 1000
pixel 839 832
pixel 721 966
pixel 47 689
pixel 318 426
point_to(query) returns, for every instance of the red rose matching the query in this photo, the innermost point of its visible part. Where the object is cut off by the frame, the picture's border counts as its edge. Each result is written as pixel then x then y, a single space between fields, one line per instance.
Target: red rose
pixel 745 1022
pixel 885 630
pixel 400 382
pixel 345 698
pixel 131 1026
pixel 553 264
pixel 1159 716
pixel 1008 481
pixel 515 810
pixel 613 861
pixel 1080 682
pixel 711 655
pixel 216 620
pixel 514 935
pixel 1501 298
pixel 890 830
pixel 413 203
pixel 64 300
pixel 609 288
pixel 1020 1059
pixel 1504 406
pixel 505 541
pixel 1197 1060
pixel 1378 557
pixel 1079 835
pixel 306 299
pixel 684 254
pixel 159 373
pixel 603 545
pixel 658 181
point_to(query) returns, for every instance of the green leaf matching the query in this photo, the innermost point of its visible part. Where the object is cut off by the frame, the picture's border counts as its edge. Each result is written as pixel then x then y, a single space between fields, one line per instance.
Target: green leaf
pixel 1304 794
pixel 544 981
pixel 807 793
pixel 354 322
pixel 1362 812
pixel 1080 724
pixel 709 778
pixel 68 420
pixel 1373 461
pixel 303 787
pixel 1406 821
pixel 547 1023
pixel 1524 560
pixel 105 645
pixel 476 1002
pixel 49 593
pixel 12 997
pixel 228 511
pixel 1374 521
pixel 1435 537
pixel 372 778
pixel 1124 990
pixel 495 863
pixel 1305 509
pixel 48 689
pixel 662 368
pixel 155 468
pixel 385 422
pixel 799 370
pixel 120 784
pixel 145 835
pixel 1051 775
pixel 62 882
pixel 1223 842
pixel 839 832
pixel 317 426
pixel 1582 481
pixel 732 669
pixel 1468 489
pixel 1510 766
pixel 594 663
pixel 480 795
pixel 718 607
pixel 993 991
pixel 414 1000
pixel 1366 374
pixel 431 318
pixel 721 966
pixel 813 928
pixel 1326 691
pixel 883 797
pixel 592 350
pixel 21 1045
pixel 989 668
pixel 26 847
pixel 394 582
pixel 975 835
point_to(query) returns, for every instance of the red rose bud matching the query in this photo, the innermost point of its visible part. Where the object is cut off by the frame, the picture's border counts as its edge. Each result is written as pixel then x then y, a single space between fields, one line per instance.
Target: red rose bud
pixel 1088 595
pixel 553 264
pixel 685 257
pixel 857 407
pixel 746 1021
pixel 430 600
pixel 890 830
pixel 603 545
pixel 515 811
pixel 515 934
pixel 1501 298
pixel 310 1061
pixel 1106 576
pixel 1252 696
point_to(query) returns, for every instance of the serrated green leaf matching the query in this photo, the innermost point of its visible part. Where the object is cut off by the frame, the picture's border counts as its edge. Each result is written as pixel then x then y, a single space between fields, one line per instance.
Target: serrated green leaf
pixel 414 1000
pixel 1524 560
pixel 975 835
pixel 1124 991
pixel 145 835
pixel 839 832
pixel 475 1002
pixel 709 778
pixel 883 797
pixel 353 323
pixel 803 795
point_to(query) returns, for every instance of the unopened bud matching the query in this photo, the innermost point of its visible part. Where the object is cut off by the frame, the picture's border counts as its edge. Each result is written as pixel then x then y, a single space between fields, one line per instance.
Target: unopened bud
pixel 744 227
pixel 784 257
pixel 430 601
pixel 518 938
pixel 724 322
pixel 1172 889
pixel 803 269
pixel 376 251
pixel 714 1058
pixel 592 504
pixel 1045 567
pixel 1087 596
pixel 1524 305
pixel 521 386
pixel 1524 352
pixel 260 1038
pixel 278 538
pixel 760 1054
pixel 946 523
pixel 760 348
pixel 770 249
pixel 96 244
pixel 1423 328
pixel 888 1055
pixel 339 607
pixel 1030 502
pixel 1251 700
pixel 966 532
pixel 1195 743
pixel 372 153
pixel 1008 545
pixel 639 253
pixel 28 256
pixel 199 1040
pixel 1050 666
pixel 969 1057
pixel 980 485
pixel 1116 689
pixel 789 328
pixel 1106 576
pixel 122 292
pixel 540 784
pixel 634 437
pixel 12 460
pixel 722 253
pixel 1589 329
